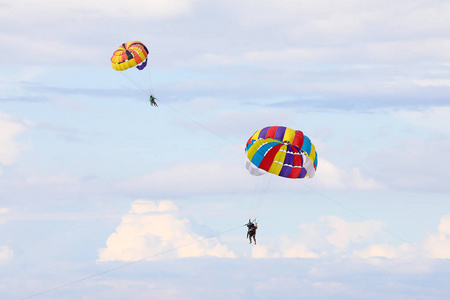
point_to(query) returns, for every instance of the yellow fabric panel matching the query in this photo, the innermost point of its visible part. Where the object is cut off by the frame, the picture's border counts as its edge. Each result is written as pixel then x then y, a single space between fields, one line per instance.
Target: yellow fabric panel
pixel 255 136
pixel 116 59
pixel 141 54
pixel 312 156
pixel 252 150
pixel 277 164
pixel 117 67
pixel 289 135
pixel 126 65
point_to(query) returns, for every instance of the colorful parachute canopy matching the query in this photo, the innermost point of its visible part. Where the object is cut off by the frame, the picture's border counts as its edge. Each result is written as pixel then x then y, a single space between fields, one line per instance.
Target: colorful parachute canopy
pixel 281 151
pixel 128 55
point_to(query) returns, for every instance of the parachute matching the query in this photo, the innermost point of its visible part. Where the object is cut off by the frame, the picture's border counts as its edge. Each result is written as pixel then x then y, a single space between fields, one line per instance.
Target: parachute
pixel 281 151
pixel 128 55
pixel 131 60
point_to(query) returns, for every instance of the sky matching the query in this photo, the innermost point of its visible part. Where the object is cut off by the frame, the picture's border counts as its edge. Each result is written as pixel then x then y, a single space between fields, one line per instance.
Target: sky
pixel 104 197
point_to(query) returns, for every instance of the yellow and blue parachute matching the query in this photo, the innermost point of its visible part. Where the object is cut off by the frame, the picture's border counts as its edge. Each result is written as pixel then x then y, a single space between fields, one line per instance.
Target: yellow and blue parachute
pixel 281 151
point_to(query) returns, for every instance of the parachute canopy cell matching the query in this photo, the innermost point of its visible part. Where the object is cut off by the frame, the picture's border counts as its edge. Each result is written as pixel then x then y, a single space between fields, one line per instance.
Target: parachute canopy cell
pixel 281 151
pixel 129 55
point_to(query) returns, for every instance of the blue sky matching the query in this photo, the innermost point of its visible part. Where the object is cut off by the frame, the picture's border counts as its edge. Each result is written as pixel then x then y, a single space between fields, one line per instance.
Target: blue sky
pixel 92 178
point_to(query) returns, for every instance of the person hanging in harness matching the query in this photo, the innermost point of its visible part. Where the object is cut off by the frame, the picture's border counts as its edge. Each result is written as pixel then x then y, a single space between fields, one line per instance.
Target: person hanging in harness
pixel 152 101
pixel 251 232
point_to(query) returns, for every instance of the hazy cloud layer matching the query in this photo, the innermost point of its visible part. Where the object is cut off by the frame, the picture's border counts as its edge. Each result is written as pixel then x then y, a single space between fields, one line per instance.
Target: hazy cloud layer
pixel 360 56
pixel 214 177
pixel 368 81
pixel 10 149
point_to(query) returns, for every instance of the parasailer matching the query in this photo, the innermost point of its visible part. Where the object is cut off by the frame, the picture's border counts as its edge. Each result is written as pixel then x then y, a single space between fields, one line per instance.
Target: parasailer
pixel 131 60
pixel 251 231
pixel 279 151
pixel 152 100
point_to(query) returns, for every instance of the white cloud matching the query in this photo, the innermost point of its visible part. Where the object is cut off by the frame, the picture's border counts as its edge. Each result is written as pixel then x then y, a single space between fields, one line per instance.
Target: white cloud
pixel 9 147
pixel 434 245
pixel 5 254
pixel 403 251
pixel 284 247
pixel 330 234
pixel 438 244
pixel 444 225
pixel 347 233
pixel 151 228
pixel 291 248
pixel 331 177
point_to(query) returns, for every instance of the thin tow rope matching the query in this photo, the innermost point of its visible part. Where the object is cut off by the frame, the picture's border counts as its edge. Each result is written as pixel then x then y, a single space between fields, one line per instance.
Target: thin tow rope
pixel 130 263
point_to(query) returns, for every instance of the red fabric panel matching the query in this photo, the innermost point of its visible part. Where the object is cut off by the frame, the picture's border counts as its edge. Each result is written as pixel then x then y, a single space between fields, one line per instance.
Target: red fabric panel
pixel 271 132
pixel 268 158
pixel 298 139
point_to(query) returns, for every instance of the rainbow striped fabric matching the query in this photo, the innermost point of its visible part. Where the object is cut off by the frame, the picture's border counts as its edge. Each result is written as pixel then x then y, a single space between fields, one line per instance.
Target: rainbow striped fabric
pixel 281 151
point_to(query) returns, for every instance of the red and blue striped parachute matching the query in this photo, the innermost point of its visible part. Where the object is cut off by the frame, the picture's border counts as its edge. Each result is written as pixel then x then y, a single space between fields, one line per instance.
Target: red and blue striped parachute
pixel 281 151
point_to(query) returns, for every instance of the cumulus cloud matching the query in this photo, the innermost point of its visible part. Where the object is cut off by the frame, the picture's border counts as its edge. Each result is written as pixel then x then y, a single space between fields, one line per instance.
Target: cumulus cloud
pixel 286 247
pixel 330 235
pixel 438 244
pixel 345 233
pixel 435 245
pixel 403 251
pixel 330 176
pixel 153 227
pixel 9 147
